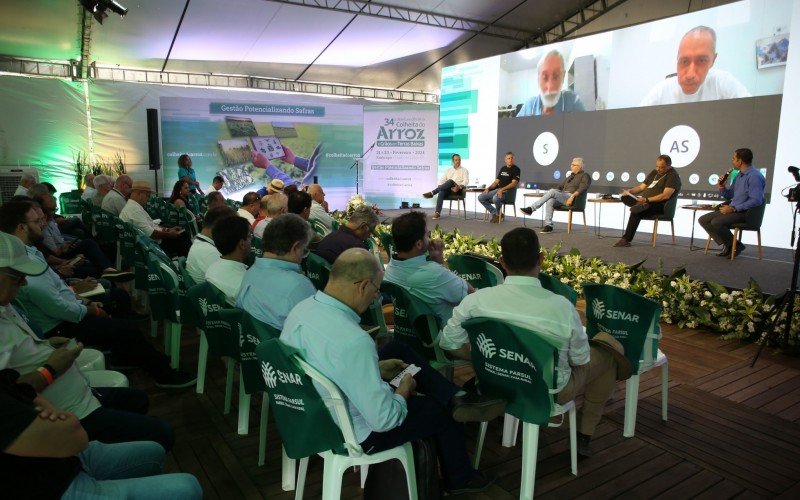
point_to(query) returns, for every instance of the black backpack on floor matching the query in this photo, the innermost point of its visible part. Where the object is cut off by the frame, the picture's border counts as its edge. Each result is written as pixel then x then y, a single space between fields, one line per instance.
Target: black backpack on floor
pixel 387 480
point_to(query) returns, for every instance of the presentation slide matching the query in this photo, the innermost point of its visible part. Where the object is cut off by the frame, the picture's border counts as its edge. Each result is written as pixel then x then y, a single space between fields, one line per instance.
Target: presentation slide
pixel 292 140
pixel 694 87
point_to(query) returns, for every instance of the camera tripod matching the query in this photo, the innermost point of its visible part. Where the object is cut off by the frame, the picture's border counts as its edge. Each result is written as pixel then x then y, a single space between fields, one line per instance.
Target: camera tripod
pixel 784 304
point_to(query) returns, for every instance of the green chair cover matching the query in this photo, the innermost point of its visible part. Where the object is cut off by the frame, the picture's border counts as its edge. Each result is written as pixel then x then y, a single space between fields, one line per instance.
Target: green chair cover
pixel 317 270
pixel 474 270
pixel 515 364
pixel 70 202
pixel 630 318
pixel 556 286
pixel 207 301
pixel 304 421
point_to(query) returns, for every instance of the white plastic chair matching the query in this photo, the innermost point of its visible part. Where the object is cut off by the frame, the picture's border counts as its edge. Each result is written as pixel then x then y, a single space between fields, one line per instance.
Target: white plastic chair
pixel 172 330
pixel 90 360
pixel 632 386
pixel 336 464
pixel 106 378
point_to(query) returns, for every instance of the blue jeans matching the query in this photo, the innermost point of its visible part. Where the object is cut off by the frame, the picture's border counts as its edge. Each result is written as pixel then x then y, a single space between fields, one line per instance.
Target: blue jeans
pixel 129 470
pixel 554 198
pixel 491 201
pixel 444 191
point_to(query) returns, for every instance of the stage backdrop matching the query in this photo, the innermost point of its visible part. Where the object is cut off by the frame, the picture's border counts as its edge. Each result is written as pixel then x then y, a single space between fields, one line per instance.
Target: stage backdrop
pixel 401 146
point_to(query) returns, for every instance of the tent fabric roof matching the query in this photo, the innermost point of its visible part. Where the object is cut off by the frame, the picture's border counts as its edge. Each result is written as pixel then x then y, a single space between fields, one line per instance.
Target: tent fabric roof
pixel 285 39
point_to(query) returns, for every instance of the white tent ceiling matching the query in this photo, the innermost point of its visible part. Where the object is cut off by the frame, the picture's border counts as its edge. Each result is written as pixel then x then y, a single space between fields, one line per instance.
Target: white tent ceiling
pixel 285 39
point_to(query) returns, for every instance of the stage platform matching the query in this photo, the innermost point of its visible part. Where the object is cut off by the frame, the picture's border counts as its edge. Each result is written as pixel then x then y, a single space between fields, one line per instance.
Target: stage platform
pixel 773 272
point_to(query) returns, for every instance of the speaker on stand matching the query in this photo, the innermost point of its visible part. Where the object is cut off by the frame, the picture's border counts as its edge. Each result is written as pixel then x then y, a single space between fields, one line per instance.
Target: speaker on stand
pixel 153 143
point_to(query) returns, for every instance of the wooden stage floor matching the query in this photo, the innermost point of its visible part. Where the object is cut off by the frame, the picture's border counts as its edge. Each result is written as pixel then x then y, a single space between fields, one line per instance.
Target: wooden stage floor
pixel 732 432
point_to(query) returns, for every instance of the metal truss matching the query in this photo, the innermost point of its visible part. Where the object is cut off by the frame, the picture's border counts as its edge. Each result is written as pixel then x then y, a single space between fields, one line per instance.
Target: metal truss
pixel 564 28
pixel 416 16
pixel 70 69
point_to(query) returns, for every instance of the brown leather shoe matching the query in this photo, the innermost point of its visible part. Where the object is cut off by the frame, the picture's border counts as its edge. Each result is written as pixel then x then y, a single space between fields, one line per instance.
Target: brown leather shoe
pixel 428 195
pixel 622 243
pixel 495 219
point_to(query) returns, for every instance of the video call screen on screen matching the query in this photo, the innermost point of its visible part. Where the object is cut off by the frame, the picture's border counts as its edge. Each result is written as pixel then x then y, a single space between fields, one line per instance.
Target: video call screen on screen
pixel 695 87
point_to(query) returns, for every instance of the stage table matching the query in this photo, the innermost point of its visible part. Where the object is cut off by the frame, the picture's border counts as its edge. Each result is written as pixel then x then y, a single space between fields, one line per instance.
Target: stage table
pixel 599 211
pixel 695 209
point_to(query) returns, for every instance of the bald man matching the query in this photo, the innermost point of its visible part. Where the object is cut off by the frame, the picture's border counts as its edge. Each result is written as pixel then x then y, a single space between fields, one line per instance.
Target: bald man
pixel 696 79
pixel 325 328
pixel 116 199
pixel 319 207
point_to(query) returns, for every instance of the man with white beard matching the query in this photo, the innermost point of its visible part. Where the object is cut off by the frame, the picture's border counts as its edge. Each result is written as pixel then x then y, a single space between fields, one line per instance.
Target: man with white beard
pixel 551 98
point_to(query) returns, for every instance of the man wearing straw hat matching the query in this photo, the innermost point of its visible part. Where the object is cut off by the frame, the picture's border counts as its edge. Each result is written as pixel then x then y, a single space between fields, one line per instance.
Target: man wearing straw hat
pixel 172 239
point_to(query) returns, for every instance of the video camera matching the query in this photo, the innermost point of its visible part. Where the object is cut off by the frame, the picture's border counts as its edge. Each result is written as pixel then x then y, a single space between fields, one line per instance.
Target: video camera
pixel 794 192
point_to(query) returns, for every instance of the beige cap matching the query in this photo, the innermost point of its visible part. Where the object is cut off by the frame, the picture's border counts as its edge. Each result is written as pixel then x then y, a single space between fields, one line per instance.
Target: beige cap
pixel 276 185
pixel 14 256
pixel 142 186
pixel 608 343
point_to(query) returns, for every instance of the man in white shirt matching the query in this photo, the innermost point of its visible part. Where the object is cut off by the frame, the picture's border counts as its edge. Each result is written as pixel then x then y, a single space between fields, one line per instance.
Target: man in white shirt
pixel 272 205
pixel 203 252
pixel 25 183
pixel 522 301
pixel 170 239
pixel 454 181
pixel 216 184
pixel 232 237
pixel 115 200
pixel 696 80
pixel 251 204
pixel 319 207
pixel 48 365
pixel 89 191
pixel 103 185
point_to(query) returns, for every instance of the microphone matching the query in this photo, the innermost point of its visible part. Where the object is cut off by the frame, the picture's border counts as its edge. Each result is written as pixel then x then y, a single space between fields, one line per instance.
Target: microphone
pixel 724 177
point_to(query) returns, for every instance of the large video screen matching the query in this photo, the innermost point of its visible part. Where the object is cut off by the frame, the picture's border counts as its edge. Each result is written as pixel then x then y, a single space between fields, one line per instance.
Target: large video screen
pixel 695 87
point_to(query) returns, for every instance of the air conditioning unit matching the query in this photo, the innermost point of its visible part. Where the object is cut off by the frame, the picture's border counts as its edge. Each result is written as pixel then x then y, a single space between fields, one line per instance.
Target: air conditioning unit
pixel 9 180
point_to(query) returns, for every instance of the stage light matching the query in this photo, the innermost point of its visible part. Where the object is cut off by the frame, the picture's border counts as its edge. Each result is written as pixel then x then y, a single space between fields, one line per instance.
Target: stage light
pixel 98 8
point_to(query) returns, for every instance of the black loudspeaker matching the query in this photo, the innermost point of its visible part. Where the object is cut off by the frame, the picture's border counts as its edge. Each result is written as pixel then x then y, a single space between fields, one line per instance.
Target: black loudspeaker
pixel 316 181
pixel 153 146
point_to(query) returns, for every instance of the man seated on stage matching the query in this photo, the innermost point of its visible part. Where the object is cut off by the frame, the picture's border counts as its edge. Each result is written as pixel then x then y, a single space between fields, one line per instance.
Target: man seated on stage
pixel 325 328
pixel 173 240
pixel 453 181
pixel 286 241
pixel 418 266
pixel 746 192
pixel 203 252
pixel 492 196
pixel 103 185
pixel 48 454
pixel 110 415
pixel 658 187
pixel 319 207
pixel 58 311
pixel 574 185
pixel 251 204
pixel 272 206
pixel 116 199
pixel 352 234
pixel 522 301
pixel 232 237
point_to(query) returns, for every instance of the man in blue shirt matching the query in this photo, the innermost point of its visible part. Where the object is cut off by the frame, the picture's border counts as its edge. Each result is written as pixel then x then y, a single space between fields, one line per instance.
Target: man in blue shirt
pixel 325 328
pixel 275 282
pixel 746 192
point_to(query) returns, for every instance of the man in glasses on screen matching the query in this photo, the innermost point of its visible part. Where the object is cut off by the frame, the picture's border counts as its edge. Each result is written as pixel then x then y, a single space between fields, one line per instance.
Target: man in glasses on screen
pixel 551 99
pixel 696 79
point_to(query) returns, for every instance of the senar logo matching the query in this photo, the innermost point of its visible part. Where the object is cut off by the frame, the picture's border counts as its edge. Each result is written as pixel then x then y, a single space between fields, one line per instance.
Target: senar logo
pixel 600 312
pixel 486 346
pixel 598 308
pixel 269 375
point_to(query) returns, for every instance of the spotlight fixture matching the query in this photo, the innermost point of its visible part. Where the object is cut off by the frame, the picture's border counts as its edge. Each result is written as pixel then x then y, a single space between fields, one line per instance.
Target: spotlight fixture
pixel 98 8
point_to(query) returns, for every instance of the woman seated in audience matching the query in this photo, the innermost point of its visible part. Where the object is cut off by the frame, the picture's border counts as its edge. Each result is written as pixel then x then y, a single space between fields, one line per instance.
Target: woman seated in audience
pixel 180 197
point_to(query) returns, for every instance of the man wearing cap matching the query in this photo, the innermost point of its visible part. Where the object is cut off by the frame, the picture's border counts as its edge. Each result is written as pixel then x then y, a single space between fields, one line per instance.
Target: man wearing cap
pixel 251 205
pixel 582 368
pixel 56 309
pixel 172 240
pixel 48 365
